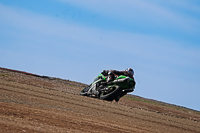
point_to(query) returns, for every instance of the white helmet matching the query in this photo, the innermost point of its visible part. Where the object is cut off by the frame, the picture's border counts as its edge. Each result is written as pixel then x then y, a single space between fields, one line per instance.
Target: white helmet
pixel 130 70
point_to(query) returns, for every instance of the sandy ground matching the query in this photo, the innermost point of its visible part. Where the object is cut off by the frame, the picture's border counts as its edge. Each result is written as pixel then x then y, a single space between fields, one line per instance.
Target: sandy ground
pixel 37 104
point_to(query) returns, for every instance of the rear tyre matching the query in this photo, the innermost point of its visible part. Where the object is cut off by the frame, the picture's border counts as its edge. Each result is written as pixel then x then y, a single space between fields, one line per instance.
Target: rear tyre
pixel 112 95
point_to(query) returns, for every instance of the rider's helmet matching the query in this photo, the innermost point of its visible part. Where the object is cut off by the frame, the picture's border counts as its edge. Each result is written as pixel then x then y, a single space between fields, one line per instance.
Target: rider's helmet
pixel 130 70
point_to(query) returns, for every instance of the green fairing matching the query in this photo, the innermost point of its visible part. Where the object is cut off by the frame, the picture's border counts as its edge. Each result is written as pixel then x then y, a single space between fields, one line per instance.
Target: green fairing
pixel 125 84
pixel 121 77
pixel 100 76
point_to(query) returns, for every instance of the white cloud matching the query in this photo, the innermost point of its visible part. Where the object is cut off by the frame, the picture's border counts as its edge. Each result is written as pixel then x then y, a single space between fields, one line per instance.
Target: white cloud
pixel 143 11
pixel 143 46
pixel 186 5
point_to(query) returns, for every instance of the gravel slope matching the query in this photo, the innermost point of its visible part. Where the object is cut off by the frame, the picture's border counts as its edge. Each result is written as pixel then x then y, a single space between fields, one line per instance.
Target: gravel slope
pixel 33 103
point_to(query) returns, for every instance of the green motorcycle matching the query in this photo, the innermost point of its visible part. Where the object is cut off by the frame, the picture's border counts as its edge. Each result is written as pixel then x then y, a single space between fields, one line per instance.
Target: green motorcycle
pixel 109 91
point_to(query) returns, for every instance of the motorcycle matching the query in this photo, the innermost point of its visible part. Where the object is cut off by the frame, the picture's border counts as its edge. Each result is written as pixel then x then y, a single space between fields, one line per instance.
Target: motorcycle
pixel 112 90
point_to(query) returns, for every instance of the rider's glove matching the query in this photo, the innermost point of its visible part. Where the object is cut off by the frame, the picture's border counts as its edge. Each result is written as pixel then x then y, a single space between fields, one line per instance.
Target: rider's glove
pixel 105 72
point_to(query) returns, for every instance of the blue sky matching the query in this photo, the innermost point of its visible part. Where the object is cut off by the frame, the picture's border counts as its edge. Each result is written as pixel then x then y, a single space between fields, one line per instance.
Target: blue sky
pixel 76 40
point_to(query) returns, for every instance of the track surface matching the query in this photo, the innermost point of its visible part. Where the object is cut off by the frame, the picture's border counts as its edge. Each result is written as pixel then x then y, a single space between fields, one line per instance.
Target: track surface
pixel 35 104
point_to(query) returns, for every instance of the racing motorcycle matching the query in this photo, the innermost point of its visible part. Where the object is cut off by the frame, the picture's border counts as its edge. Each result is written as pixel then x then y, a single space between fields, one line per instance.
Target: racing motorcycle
pixel 112 90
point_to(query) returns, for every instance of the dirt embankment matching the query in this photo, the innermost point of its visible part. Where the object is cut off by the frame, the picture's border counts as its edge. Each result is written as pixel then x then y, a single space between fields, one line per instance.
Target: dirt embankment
pixel 33 103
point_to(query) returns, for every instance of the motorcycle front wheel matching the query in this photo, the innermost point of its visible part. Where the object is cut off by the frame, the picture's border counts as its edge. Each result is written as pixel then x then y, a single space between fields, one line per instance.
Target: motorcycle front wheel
pixel 85 90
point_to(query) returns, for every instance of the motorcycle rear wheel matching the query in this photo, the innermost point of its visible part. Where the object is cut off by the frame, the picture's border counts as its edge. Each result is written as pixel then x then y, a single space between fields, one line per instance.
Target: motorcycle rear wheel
pixel 112 95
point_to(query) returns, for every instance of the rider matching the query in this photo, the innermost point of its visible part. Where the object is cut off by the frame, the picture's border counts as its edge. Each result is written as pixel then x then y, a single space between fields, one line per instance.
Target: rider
pixel 114 73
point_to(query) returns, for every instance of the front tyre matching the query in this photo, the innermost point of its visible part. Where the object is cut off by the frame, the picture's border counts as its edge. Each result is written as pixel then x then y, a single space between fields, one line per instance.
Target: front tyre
pixel 112 95
pixel 85 90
